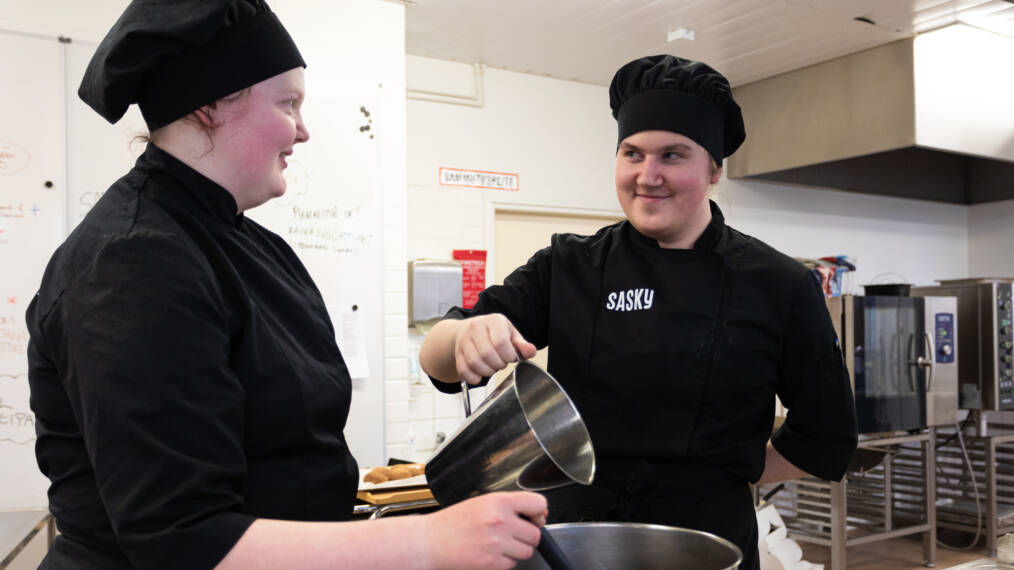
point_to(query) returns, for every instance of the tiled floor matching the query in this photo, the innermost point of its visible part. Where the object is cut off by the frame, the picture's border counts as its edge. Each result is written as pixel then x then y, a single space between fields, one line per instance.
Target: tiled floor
pixel 898 554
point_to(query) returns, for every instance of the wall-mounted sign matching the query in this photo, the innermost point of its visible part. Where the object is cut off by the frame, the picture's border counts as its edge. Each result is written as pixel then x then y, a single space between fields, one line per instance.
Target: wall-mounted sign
pixel 473 274
pixel 478 179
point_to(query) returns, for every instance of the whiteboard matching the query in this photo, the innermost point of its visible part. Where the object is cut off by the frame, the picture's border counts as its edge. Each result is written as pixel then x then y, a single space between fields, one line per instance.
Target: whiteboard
pixel 32 225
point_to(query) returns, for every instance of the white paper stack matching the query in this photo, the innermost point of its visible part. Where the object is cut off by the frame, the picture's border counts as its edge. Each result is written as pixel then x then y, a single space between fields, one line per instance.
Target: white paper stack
pixel 777 550
pixel 1005 549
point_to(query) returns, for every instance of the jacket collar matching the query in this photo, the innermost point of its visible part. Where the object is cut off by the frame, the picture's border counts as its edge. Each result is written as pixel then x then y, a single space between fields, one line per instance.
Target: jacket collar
pixel 704 243
pixel 191 189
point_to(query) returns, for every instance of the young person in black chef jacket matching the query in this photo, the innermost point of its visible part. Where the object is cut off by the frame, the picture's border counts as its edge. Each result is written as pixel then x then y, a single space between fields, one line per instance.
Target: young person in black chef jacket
pixel 671 331
pixel 189 395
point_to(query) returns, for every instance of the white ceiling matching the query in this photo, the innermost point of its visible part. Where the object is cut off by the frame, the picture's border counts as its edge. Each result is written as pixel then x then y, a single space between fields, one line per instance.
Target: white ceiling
pixel 747 40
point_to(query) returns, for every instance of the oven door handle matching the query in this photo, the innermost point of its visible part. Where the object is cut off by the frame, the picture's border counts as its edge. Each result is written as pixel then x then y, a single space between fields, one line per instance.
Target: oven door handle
pixel 926 363
pixel 911 363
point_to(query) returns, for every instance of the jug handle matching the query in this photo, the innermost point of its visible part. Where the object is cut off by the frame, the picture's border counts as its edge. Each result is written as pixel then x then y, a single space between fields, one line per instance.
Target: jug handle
pixel 550 550
pixel 465 399
pixel 464 390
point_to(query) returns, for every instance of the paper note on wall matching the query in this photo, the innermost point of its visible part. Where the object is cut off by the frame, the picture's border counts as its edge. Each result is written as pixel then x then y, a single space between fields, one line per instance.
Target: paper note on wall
pixel 349 336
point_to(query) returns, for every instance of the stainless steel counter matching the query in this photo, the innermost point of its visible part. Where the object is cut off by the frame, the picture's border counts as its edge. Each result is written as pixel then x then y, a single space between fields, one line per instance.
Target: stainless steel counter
pixel 18 528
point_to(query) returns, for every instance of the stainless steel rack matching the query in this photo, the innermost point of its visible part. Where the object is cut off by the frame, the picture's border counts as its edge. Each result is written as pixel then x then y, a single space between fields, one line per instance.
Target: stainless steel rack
pixel 889 498
pixel 992 459
pixel 377 511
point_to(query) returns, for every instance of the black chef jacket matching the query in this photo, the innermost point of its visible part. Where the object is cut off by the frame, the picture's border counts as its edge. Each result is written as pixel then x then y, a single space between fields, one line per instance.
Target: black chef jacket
pixel 184 377
pixel 674 358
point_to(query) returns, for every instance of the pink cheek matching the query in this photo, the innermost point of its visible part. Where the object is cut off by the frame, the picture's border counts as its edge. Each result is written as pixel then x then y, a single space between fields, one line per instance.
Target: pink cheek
pixel 261 154
pixel 689 180
pixel 627 178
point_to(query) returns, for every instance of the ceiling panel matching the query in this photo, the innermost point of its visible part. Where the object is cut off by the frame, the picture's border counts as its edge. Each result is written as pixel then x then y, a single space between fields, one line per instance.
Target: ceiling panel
pixel 587 40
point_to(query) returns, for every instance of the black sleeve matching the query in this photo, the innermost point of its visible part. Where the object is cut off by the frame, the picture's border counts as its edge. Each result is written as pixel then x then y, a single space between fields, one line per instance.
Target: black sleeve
pixel 820 432
pixel 523 299
pixel 142 345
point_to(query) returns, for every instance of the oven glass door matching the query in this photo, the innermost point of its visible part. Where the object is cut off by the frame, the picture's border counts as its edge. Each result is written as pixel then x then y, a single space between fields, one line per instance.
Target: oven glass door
pixel 890 387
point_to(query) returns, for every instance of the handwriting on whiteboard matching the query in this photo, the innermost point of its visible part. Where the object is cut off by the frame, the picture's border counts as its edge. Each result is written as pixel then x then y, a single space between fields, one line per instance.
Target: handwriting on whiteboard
pixel 17 422
pixel 86 200
pixel 13 158
pixel 14 211
pixel 13 335
pixel 328 229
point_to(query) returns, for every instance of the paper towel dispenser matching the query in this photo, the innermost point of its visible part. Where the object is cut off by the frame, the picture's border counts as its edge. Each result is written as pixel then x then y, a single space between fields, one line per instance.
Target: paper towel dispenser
pixel 434 286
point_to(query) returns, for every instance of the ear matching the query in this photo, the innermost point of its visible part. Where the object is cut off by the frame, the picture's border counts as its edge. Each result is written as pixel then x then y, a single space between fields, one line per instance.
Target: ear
pixel 716 175
pixel 204 115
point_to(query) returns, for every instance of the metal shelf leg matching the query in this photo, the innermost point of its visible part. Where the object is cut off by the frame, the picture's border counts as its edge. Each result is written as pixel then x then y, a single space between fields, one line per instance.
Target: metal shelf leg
pixel 838 515
pixel 929 538
pixel 990 468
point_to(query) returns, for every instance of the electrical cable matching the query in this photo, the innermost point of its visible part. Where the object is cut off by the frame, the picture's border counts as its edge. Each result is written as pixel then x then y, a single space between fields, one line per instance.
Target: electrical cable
pixel 975 489
pixel 961 427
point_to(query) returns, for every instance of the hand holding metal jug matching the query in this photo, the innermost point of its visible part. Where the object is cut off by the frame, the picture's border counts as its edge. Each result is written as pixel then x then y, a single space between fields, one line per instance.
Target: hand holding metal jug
pixel 526 435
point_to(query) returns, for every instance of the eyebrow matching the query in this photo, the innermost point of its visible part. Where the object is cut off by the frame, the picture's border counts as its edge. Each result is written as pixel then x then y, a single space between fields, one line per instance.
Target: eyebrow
pixel 668 148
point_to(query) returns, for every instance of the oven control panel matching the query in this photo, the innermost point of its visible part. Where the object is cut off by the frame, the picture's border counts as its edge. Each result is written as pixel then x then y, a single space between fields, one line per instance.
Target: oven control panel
pixel 1005 348
pixel 944 332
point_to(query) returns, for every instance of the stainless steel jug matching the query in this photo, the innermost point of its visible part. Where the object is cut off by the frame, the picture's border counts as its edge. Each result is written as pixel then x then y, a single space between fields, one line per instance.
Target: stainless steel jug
pixel 527 435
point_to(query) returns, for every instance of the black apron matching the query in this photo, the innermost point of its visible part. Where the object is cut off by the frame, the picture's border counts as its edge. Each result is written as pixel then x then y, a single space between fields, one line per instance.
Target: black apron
pixel 724 509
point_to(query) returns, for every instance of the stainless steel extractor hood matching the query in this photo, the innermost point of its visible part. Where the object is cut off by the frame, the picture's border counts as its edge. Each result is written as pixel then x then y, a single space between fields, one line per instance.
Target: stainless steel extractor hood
pixel 930 117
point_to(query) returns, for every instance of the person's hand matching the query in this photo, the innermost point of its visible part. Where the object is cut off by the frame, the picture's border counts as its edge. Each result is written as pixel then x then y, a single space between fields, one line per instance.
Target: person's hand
pixel 487 531
pixel 487 343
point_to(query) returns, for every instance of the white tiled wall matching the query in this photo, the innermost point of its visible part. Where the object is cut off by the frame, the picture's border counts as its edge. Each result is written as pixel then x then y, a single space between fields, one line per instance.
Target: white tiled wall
pixel 420 417
pixel 396 369
pixel 436 226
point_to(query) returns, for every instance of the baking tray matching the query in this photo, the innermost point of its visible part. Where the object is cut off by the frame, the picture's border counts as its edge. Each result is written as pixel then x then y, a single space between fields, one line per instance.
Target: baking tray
pixel 394 496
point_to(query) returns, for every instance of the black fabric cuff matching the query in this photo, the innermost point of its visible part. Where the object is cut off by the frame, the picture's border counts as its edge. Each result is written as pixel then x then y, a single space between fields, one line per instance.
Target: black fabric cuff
pixel 822 458
pixel 454 388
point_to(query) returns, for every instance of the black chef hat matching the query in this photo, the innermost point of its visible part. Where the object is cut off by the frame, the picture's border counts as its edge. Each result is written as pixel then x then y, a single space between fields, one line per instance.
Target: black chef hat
pixel 174 56
pixel 668 93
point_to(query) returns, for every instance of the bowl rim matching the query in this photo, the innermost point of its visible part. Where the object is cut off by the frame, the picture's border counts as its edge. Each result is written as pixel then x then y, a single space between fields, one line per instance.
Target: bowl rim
pixel 659 527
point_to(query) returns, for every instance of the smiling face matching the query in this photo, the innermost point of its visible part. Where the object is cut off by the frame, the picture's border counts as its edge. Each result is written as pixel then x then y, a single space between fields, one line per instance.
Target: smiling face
pixel 254 135
pixel 662 182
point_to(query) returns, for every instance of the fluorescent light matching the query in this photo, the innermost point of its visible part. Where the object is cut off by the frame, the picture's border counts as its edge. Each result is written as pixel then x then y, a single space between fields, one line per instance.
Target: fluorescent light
pixel 680 34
